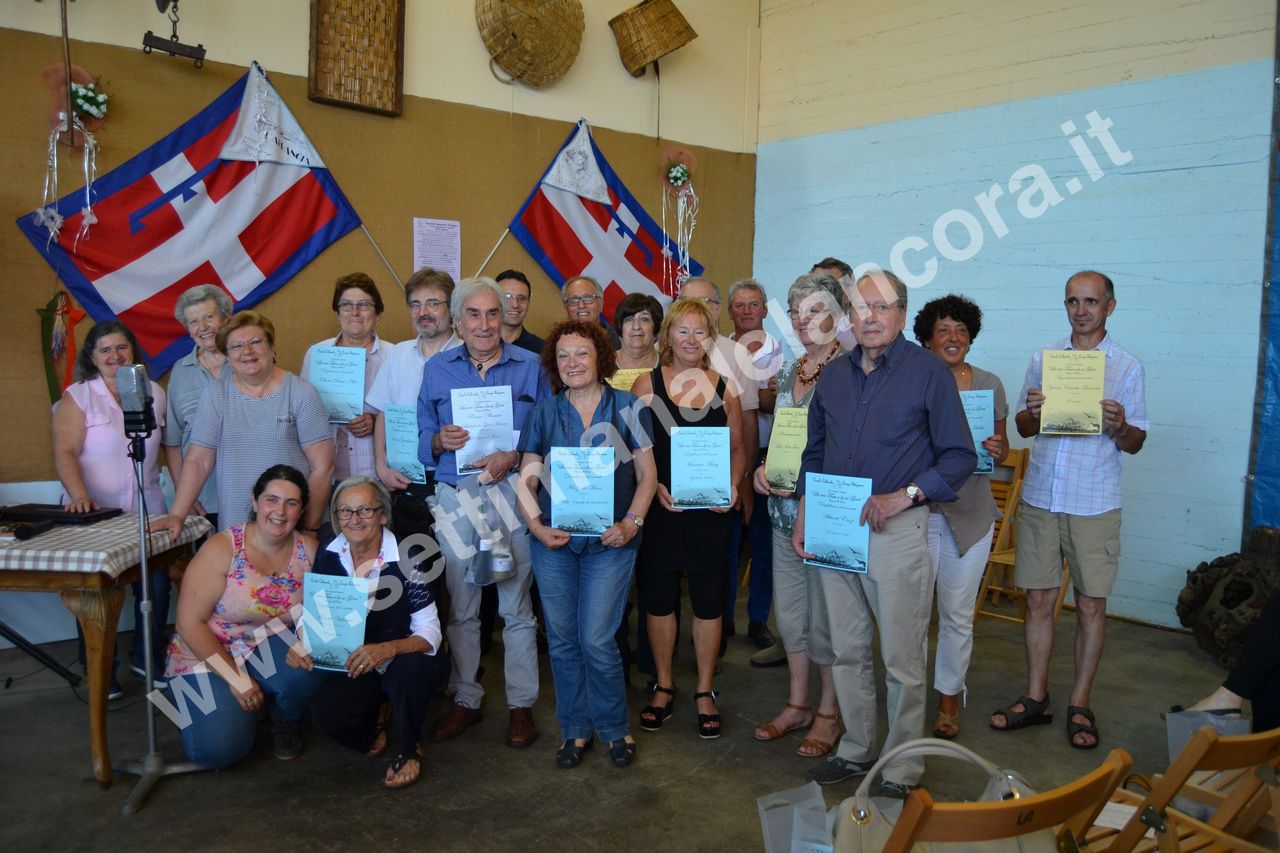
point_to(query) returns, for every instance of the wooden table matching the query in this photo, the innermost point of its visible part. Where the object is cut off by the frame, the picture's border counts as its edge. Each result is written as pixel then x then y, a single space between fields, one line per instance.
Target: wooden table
pixel 90 566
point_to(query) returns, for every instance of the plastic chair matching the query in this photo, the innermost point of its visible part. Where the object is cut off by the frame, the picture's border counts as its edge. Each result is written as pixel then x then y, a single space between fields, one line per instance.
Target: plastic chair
pixel 1070 810
pixel 1243 805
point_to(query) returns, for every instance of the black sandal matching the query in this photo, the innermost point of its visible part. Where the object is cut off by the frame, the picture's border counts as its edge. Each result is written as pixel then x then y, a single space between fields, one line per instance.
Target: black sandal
pixel 708 724
pixel 570 754
pixel 1033 713
pixel 622 753
pixel 1074 728
pixel 653 716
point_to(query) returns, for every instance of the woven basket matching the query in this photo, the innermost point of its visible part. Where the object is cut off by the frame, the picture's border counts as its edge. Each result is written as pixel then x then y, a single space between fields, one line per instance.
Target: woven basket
pixel 534 41
pixel 649 31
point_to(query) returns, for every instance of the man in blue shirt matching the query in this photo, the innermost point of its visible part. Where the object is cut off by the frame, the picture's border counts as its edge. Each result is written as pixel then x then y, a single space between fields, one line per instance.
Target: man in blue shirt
pixel 483 361
pixel 888 411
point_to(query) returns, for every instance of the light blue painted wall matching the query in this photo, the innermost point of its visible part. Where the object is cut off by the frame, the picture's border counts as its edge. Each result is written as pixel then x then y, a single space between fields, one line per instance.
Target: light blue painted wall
pixel 1180 228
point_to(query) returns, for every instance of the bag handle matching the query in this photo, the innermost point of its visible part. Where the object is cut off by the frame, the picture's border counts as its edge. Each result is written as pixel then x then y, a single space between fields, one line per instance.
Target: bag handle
pixel 1001 781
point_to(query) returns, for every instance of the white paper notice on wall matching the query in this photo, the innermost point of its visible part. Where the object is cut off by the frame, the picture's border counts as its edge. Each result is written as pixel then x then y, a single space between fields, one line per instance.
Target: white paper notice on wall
pixel 437 243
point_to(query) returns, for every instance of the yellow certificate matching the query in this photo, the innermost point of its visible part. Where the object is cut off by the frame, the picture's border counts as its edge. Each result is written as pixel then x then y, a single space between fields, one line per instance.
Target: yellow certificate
pixel 1072 383
pixel 626 377
pixel 786 446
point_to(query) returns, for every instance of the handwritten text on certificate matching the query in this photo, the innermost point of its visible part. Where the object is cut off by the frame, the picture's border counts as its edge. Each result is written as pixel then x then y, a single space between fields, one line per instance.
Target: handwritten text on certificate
pixel 486 414
pixel 401 422
pixel 1072 383
pixel 338 376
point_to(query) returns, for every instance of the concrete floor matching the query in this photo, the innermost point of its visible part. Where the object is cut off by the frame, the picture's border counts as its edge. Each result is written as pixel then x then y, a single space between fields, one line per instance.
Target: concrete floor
pixel 682 793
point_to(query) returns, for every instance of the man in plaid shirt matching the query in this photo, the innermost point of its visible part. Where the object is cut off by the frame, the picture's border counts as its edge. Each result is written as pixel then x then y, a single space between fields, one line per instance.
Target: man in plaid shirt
pixel 1071 511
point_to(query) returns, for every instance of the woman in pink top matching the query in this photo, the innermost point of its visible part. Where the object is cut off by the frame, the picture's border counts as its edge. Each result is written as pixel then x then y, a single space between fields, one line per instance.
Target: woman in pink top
pixel 91 456
pixel 231 655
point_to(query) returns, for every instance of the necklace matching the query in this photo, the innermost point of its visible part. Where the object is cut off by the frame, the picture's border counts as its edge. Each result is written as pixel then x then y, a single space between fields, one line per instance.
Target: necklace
pixel 481 362
pixel 810 378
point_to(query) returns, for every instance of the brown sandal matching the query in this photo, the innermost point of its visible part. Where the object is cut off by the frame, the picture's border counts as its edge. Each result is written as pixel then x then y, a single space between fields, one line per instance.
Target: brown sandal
pixel 772 732
pixel 397 765
pixel 818 743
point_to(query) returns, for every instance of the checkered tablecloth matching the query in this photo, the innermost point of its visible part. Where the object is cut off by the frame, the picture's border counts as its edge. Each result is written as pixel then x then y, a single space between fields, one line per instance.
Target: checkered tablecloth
pixel 109 546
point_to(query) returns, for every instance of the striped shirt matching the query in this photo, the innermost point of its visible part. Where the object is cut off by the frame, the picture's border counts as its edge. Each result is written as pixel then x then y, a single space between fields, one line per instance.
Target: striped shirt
pixel 249 435
pixel 186 386
pixel 1080 474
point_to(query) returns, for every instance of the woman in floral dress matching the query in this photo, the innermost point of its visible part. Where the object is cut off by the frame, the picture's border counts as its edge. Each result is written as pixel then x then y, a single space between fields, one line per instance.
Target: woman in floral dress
pixel 230 656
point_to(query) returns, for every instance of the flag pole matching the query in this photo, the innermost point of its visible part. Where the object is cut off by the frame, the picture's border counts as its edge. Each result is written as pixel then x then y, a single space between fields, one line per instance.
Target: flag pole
pixel 385 262
pixel 493 251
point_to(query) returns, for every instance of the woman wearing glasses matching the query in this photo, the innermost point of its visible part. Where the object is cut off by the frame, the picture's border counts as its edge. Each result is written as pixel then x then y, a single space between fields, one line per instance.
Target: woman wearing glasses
pixel 358 305
pixel 397 664
pixel 257 417
pixel 814 305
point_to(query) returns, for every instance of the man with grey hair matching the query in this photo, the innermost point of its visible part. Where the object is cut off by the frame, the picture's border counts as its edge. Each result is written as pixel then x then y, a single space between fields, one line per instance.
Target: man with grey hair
pixel 888 411
pixel 748 306
pixel 583 300
pixel 478 497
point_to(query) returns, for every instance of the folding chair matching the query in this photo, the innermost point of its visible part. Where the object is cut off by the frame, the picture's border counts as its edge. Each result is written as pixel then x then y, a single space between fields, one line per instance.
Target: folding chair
pixel 1240 812
pixel 1069 810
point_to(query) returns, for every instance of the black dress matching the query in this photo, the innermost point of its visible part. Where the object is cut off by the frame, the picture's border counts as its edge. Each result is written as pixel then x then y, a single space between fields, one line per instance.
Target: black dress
pixel 694 541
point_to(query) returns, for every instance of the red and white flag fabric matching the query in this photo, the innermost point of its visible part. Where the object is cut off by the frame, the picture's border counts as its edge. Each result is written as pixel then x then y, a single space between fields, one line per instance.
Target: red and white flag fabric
pixel 236 197
pixel 581 220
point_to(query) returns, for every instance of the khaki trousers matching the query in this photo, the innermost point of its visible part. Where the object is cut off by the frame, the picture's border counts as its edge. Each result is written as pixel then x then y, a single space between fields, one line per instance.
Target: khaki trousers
pixel 897 591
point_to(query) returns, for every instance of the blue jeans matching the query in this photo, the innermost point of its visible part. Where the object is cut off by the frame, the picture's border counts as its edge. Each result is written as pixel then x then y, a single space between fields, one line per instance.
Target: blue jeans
pixel 584 589
pixel 218 732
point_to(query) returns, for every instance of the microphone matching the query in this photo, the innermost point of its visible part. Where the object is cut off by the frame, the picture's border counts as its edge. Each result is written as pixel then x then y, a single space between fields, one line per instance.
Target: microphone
pixel 135 400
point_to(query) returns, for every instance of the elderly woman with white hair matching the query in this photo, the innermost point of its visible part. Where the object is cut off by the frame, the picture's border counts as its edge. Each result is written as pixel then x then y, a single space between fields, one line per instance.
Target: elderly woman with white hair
pixel 398 662
pixel 201 310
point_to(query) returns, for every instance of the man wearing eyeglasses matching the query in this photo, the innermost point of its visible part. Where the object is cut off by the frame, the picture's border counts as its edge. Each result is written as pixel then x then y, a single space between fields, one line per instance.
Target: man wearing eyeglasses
pixel 888 411
pixel 516 292
pixel 583 301
pixel 427 295
pixel 1070 510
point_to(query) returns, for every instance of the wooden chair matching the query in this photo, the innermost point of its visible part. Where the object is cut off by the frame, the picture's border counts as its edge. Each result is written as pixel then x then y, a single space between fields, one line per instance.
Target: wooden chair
pixel 1239 812
pixel 1071 809
pixel 997 580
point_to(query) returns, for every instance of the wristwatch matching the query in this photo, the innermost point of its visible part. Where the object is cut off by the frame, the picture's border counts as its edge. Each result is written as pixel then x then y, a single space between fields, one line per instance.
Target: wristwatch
pixel 637 520
pixel 913 491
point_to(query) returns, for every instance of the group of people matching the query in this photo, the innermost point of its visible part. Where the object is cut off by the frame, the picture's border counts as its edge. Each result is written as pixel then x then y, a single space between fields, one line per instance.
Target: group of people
pixel 250 445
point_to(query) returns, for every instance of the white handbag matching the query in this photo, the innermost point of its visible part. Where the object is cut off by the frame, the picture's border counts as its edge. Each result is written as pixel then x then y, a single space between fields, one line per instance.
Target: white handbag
pixel 864 823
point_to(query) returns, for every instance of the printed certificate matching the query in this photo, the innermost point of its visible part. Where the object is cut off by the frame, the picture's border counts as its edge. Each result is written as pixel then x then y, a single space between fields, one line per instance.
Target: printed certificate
pixel 338 375
pixel 980 410
pixel 701 467
pixel 1072 382
pixel 581 489
pixel 486 414
pixel 786 446
pixel 334 610
pixel 832 532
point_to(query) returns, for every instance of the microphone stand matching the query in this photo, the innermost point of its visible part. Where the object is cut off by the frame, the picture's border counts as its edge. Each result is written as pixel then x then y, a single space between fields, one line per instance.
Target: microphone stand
pixel 152 768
